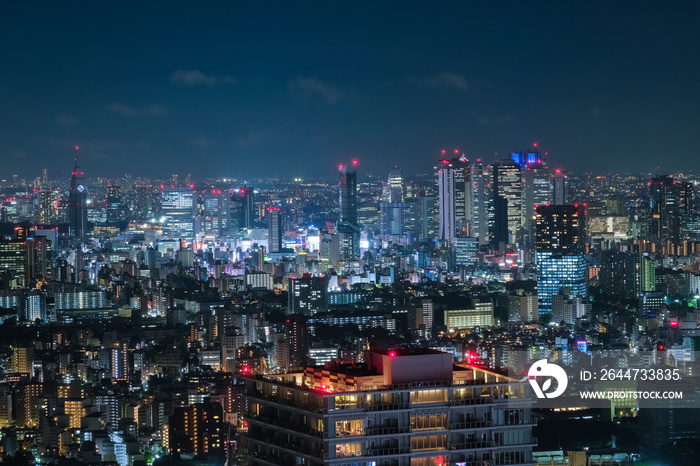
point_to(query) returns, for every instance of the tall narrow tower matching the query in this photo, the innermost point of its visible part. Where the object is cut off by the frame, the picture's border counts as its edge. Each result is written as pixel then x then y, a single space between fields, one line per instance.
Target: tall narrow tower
pixel 347 227
pixel 507 197
pixel 77 202
pixel 348 193
pixel 454 199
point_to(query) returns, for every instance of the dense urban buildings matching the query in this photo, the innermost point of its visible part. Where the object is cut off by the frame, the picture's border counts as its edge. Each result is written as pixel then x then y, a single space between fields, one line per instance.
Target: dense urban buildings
pixel 352 319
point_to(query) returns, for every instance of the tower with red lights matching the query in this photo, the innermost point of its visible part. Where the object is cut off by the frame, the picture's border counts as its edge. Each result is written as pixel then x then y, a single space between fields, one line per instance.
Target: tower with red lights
pixel 77 202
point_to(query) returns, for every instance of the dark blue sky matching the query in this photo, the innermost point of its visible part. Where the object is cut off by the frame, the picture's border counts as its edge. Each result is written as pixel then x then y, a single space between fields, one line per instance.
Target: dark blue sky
pixel 292 88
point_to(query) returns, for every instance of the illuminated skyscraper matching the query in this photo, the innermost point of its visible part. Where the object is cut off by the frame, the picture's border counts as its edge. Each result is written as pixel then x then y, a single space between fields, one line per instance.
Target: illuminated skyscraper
pixel 537 190
pixel 524 159
pixel 559 253
pixel 398 214
pixel 77 203
pixel 348 193
pixel 114 203
pixel 669 201
pixel 454 197
pixel 178 208
pixel 426 222
pixel 274 229
pixel 559 188
pixel 215 217
pixel 481 200
pixel 395 186
pixel 348 229
pixel 507 199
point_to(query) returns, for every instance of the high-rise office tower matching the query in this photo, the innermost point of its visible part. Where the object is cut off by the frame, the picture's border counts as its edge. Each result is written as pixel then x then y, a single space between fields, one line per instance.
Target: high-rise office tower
pixel 398 215
pixel 215 217
pixel 481 200
pixel 274 229
pixel 558 187
pixel 669 201
pixel 537 190
pixel 395 186
pixel 45 206
pixel 621 275
pixel 426 212
pixel 454 197
pixel 178 208
pixel 242 208
pixel 77 203
pixel 114 203
pixel 391 206
pixel 559 253
pixel 347 193
pixel 348 229
pixel 507 202
pixel 26 257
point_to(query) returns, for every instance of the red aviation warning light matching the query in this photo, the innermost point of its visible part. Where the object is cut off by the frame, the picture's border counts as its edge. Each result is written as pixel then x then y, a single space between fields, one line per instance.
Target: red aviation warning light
pixel 354 162
pixel 340 167
pixel 245 369
pixel 392 354
pixel 456 151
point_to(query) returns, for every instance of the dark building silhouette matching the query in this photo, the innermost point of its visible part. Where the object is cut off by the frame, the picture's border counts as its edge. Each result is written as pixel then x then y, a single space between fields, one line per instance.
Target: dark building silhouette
pixel 77 203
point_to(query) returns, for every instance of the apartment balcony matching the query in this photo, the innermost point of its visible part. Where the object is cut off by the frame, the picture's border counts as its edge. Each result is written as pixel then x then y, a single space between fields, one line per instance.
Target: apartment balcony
pixel 284 402
pixel 389 430
pixel 291 447
pixel 472 445
pixel 388 451
pixel 470 425
pixel 529 441
pixel 471 401
pixel 291 428
pixel 388 406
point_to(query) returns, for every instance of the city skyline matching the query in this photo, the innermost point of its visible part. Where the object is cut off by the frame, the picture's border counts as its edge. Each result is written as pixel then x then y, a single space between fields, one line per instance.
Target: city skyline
pixel 206 92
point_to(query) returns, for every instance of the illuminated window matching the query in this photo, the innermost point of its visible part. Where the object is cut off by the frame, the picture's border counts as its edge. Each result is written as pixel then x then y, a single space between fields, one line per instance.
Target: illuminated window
pixel 344 450
pixel 350 427
pixel 433 421
pixel 429 442
pixel 429 396
pixel 346 402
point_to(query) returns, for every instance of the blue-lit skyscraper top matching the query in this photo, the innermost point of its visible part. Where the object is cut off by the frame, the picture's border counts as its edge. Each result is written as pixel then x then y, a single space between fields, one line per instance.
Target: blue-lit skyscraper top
pixel 523 159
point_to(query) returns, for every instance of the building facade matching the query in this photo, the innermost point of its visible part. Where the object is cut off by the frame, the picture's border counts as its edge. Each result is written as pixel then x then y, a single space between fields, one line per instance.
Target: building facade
pixel 402 408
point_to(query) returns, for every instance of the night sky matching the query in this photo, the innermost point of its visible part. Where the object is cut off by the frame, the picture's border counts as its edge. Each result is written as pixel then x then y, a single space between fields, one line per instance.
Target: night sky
pixel 293 88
